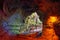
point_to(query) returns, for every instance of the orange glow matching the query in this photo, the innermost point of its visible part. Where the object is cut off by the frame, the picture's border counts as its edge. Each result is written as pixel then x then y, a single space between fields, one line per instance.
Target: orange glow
pixel 53 19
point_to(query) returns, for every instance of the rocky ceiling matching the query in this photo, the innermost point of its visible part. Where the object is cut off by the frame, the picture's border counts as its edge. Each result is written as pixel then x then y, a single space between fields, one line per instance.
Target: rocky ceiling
pixel 49 7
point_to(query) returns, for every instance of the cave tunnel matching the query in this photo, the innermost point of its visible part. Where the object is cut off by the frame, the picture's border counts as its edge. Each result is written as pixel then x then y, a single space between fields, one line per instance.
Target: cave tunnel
pixel 44 8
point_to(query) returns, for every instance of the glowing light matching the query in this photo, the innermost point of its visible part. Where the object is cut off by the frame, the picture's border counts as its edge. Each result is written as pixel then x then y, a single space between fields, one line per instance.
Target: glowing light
pixel 53 19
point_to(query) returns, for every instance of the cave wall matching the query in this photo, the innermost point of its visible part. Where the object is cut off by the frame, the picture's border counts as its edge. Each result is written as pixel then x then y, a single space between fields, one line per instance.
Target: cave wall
pixel 45 8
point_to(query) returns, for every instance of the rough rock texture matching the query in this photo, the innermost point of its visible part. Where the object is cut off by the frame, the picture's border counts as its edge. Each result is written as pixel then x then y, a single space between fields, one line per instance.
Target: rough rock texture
pixel 48 7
